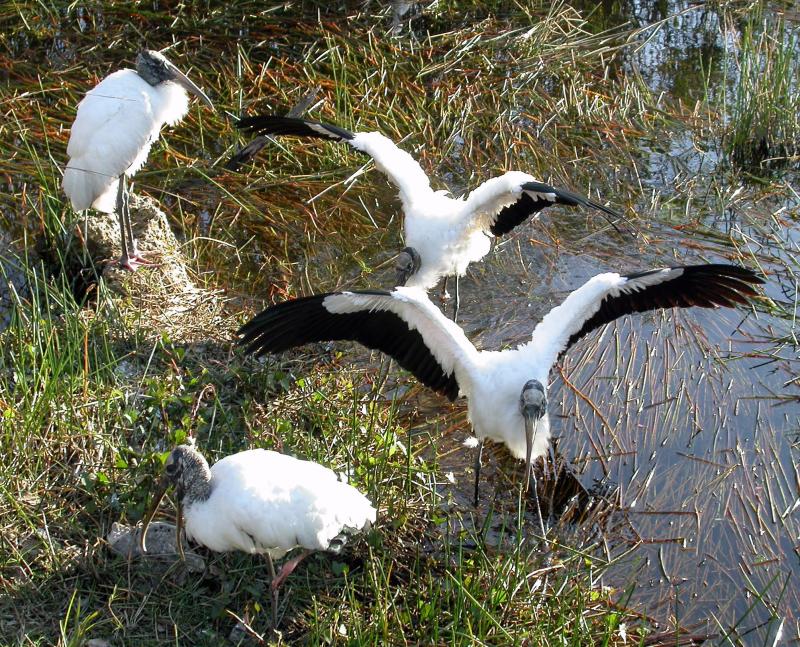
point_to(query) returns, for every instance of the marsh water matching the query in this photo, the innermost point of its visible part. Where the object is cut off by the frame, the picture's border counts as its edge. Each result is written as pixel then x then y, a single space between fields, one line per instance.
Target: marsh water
pixel 690 419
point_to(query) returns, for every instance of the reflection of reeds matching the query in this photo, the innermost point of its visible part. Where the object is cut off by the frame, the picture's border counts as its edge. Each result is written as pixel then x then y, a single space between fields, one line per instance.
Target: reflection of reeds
pixel 765 111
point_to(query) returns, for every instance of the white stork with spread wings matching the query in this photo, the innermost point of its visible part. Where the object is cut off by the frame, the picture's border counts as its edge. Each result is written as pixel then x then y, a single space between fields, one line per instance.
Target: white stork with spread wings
pixel 443 235
pixel 506 390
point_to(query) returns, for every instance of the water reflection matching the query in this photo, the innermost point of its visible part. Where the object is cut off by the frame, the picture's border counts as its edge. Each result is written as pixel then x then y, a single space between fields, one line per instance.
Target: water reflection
pixel 682 49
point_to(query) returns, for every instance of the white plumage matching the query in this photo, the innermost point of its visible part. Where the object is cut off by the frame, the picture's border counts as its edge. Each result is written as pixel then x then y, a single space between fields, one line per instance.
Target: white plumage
pixel 261 502
pixel 506 390
pixel 443 234
pixel 265 502
pixel 116 124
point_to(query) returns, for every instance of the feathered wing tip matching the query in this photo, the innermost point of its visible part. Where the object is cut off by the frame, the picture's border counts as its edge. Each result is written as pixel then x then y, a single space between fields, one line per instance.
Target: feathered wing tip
pixel 705 286
pixel 533 197
pixel 573 200
pixel 276 125
pixel 569 198
pixel 246 153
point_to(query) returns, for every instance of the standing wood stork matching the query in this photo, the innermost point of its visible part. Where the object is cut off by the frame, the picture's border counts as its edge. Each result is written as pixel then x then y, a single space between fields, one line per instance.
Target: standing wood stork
pixel 260 501
pixel 116 124
pixel 443 235
pixel 506 391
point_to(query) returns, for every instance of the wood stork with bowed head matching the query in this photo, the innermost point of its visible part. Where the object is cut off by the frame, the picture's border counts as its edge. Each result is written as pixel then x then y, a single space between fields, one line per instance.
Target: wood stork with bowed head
pixel 506 391
pixel 443 235
pixel 116 124
pixel 263 502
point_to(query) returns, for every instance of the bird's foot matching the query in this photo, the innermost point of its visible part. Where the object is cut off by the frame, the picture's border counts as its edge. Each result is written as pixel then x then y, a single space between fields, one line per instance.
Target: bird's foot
pixel 134 261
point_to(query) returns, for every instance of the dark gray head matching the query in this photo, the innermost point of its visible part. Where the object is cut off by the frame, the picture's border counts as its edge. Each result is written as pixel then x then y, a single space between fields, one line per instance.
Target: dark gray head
pixel 188 472
pixel 407 264
pixel 532 406
pixel 532 400
pixel 154 68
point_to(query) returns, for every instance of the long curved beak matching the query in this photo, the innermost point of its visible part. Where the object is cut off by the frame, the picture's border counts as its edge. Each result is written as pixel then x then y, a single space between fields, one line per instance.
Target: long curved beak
pixel 181 79
pixel 530 424
pixel 179 530
pixel 161 490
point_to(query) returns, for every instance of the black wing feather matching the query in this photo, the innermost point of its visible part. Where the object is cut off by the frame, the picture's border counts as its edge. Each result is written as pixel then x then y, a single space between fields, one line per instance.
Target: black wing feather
pixel 527 205
pixel 302 321
pixel 705 286
pixel 276 125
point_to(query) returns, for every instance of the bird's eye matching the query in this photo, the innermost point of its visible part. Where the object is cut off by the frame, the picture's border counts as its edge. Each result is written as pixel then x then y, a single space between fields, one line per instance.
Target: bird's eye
pixel 171 468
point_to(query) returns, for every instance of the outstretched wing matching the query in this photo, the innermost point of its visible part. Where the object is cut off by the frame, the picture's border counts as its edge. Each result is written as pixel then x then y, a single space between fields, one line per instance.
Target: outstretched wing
pixel 501 203
pixel 607 296
pixel 536 196
pixel 401 169
pixel 402 323
pixel 276 125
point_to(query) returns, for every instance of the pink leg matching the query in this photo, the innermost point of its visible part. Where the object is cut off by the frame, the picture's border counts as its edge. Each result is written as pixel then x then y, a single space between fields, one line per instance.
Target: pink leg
pixel 277 580
pixel 134 261
pixel 287 569
pixel 131 258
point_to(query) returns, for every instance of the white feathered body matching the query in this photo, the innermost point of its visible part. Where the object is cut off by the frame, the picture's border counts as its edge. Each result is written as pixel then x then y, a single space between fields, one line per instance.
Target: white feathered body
pixel 265 502
pixel 492 381
pixel 496 387
pixel 116 124
pixel 494 396
pixel 449 233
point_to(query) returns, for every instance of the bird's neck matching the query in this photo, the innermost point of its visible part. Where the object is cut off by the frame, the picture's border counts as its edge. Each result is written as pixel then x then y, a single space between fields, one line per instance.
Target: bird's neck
pixel 197 487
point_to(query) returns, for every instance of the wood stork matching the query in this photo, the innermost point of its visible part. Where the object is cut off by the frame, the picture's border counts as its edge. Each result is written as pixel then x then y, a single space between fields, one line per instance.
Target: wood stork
pixel 506 391
pixel 443 235
pixel 116 124
pixel 263 502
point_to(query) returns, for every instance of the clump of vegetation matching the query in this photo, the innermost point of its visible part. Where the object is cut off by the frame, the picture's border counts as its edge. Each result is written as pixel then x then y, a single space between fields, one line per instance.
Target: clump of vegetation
pixel 765 106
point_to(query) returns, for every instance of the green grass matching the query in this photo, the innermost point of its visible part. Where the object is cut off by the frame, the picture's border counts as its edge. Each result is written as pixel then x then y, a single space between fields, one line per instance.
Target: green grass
pixel 765 126
pixel 92 395
pixel 82 439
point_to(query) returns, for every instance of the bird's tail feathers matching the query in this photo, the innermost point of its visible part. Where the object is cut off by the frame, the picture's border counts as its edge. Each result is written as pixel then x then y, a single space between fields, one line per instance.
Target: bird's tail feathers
pixel 86 187
pixel 340 541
